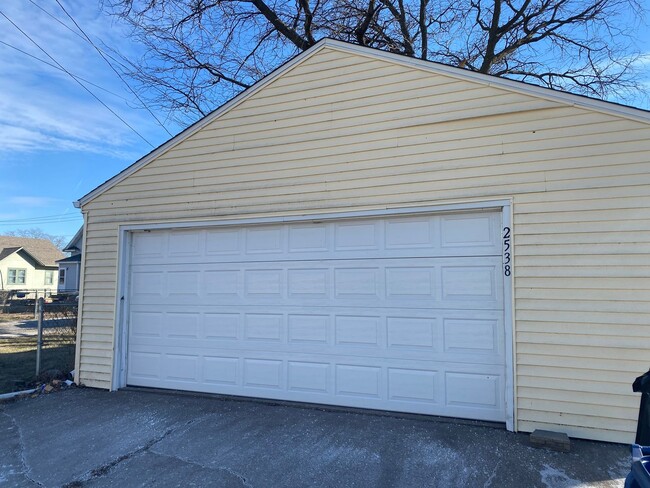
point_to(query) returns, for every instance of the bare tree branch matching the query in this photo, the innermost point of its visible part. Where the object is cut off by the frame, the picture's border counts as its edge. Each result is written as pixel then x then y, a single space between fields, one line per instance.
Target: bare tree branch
pixel 281 27
pixel 199 53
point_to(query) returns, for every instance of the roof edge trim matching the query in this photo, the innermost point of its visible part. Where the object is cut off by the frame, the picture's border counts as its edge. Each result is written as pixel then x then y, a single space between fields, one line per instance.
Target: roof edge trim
pixel 572 99
pixel 76 236
pixel 36 260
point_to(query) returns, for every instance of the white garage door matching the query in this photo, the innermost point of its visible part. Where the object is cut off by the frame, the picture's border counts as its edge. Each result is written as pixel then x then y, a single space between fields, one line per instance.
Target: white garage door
pixel 402 314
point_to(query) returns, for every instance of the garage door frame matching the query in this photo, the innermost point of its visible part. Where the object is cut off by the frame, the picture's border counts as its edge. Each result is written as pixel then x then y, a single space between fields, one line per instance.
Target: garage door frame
pixel 125 233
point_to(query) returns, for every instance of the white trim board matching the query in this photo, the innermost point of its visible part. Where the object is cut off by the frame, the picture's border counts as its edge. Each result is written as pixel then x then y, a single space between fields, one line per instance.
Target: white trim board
pixel 453 207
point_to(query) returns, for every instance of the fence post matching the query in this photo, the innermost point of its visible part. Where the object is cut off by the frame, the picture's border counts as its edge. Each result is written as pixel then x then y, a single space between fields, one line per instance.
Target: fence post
pixel 39 343
pixel 35 304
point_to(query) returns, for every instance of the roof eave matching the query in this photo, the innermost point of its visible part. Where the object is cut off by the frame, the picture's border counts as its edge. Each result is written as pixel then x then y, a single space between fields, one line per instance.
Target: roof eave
pixel 69 247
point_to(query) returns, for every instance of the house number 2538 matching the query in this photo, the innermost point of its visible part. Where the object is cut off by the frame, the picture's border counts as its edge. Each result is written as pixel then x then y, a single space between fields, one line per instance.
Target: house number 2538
pixel 507 267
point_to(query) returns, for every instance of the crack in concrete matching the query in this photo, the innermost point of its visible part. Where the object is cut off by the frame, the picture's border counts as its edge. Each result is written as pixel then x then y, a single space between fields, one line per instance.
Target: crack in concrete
pixel 235 474
pixel 231 471
pixel 493 475
pixel 106 468
pixel 21 442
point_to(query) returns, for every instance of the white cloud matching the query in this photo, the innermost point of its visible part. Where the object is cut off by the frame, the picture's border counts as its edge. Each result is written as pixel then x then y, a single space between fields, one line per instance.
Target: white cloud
pixel 31 201
pixel 42 108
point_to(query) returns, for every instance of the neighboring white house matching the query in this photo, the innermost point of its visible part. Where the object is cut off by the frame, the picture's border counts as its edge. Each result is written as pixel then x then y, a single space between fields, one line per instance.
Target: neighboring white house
pixel 70 267
pixel 28 264
pixel 365 229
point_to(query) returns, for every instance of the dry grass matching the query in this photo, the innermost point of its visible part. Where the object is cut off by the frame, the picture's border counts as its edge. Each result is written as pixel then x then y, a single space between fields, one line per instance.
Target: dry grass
pixel 18 360
pixel 15 317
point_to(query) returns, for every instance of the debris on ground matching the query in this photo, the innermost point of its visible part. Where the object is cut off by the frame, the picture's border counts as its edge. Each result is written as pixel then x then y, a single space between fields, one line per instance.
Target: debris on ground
pixel 49 382
pixel 52 387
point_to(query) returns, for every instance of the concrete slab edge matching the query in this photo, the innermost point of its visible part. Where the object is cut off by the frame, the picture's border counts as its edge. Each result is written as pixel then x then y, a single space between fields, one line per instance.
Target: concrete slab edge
pixel 318 406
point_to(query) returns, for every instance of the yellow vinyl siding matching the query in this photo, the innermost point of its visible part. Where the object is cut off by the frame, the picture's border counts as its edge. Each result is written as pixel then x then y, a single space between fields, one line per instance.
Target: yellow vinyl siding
pixel 98 304
pixel 341 132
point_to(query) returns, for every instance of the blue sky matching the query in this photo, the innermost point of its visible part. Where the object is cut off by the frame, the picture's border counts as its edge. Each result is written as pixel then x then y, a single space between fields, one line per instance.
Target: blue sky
pixel 56 141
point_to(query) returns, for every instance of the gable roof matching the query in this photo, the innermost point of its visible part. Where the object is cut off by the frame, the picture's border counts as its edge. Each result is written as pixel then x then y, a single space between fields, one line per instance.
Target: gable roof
pixel 433 67
pixel 43 251
pixel 71 259
pixel 75 243
pixel 8 251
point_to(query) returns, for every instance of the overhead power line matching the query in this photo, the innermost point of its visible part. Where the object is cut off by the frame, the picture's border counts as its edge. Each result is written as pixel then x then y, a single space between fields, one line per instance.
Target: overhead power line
pixel 13 223
pixel 56 19
pixel 52 65
pixel 101 53
pixel 75 79
pixel 41 218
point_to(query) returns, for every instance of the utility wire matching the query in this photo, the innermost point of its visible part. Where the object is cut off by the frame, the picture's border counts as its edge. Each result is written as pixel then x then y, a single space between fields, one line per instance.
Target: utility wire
pixel 108 54
pixel 56 19
pixel 53 17
pixel 89 40
pixel 56 67
pixel 35 222
pixel 41 218
pixel 75 79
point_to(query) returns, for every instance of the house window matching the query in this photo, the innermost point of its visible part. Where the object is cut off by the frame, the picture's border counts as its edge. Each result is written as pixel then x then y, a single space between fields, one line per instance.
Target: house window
pixel 16 276
pixel 62 277
pixel 49 277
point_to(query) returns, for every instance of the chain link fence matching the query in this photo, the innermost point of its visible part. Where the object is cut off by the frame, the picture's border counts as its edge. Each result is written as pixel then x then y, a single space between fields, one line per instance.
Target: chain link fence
pixel 29 358
pixel 24 301
pixel 56 343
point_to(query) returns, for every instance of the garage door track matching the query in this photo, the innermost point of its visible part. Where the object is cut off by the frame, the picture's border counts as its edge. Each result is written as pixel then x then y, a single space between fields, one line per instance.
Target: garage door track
pixel 85 437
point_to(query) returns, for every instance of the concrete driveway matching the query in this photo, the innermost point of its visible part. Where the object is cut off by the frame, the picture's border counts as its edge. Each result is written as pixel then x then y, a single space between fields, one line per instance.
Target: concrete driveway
pixel 85 437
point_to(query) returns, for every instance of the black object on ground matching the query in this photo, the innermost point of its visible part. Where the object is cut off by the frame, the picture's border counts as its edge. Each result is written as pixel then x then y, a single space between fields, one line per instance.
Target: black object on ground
pixel 642 385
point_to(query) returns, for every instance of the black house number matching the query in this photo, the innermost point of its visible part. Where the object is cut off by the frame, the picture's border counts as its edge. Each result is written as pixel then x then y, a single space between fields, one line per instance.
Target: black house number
pixel 507 267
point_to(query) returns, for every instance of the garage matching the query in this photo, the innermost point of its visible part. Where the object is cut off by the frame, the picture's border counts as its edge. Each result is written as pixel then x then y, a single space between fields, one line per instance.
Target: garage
pixel 342 233
pixel 402 313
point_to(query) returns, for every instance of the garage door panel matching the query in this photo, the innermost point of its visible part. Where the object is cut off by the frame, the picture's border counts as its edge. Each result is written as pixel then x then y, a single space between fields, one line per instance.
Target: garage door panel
pixel 222 326
pixel 470 231
pixel 183 368
pixel 414 385
pixel 146 324
pixel 309 376
pixel 400 313
pixel 425 283
pixel 350 352
pixel 472 336
pixel 338 350
pixel 399 333
pixel 409 386
pixel 475 234
pixel 473 389
pixel 221 370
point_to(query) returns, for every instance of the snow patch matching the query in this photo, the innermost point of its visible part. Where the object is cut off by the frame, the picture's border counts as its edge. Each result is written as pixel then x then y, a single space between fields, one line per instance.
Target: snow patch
pixel 556 478
pixel 620 469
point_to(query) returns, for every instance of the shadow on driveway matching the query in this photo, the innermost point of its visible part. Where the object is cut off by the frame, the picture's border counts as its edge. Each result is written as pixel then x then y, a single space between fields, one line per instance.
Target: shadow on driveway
pixel 86 437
